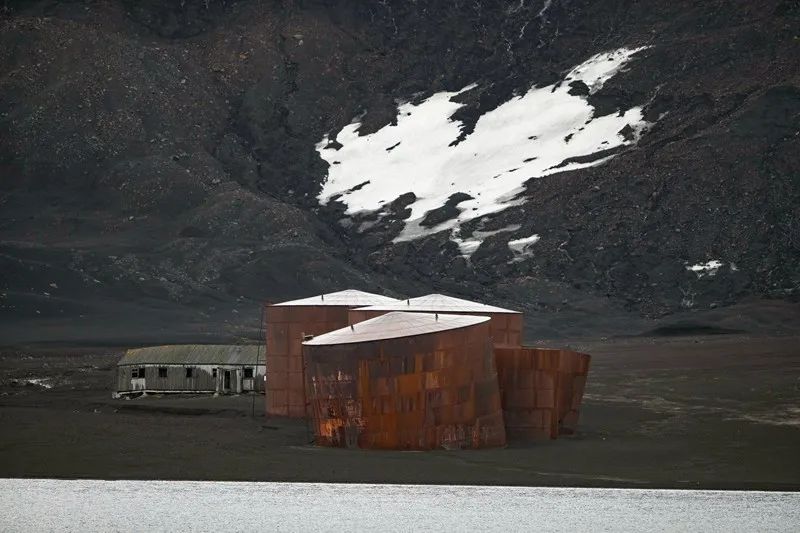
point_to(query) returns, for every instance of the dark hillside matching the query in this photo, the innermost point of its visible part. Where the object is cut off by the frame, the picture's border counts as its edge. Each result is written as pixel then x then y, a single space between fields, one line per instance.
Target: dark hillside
pixel 158 170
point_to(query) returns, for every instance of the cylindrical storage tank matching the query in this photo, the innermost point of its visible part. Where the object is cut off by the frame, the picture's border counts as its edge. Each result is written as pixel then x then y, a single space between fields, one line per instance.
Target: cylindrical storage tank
pixel 505 325
pixel 286 324
pixel 541 390
pixel 406 381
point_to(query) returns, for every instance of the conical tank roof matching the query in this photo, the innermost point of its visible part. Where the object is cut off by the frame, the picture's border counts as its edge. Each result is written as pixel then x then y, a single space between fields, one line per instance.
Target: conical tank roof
pixel 345 298
pixel 395 325
pixel 432 303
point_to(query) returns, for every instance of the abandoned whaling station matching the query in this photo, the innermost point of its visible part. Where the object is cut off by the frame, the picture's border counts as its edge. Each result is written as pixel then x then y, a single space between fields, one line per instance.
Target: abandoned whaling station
pixel 417 374
pixel 369 371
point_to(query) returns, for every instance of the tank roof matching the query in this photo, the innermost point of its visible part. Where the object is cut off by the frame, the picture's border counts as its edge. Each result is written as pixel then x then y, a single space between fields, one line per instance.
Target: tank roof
pixel 345 298
pixel 198 354
pixel 438 303
pixel 395 325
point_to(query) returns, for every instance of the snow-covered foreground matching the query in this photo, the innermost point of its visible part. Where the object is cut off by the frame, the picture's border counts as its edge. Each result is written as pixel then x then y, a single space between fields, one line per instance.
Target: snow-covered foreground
pixel 530 136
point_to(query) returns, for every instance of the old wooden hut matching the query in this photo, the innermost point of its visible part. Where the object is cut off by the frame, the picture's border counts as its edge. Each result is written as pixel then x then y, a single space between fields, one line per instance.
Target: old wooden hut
pixel 192 368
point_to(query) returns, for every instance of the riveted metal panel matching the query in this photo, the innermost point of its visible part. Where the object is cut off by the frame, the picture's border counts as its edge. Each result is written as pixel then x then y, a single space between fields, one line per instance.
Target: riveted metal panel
pixel 541 390
pixel 436 390
pixel 285 326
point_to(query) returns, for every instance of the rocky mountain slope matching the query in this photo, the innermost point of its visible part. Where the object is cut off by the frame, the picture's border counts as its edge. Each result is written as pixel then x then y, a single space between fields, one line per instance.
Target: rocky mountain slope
pixel 164 163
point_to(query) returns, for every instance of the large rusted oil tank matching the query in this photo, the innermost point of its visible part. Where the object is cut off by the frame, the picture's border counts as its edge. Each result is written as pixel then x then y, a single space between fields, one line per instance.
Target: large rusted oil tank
pixel 285 324
pixel 412 381
pixel 541 390
pixel 505 325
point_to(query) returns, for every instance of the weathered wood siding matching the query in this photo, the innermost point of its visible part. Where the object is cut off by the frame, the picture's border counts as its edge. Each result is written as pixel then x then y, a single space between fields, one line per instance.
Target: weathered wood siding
pixel 202 379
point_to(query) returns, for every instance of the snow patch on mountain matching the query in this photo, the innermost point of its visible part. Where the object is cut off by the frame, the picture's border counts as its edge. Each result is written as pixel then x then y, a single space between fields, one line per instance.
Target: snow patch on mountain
pixel 468 245
pixel 709 268
pixel 521 248
pixel 544 131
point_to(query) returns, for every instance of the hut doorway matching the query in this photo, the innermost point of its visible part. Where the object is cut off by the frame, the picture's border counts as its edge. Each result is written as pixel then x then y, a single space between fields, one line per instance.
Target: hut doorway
pixel 226 383
pixel 248 381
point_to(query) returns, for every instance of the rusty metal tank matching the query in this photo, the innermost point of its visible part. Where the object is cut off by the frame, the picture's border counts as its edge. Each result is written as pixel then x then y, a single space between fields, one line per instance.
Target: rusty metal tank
pixel 541 390
pixel 286 324
pixel 505 325
pixel 407 381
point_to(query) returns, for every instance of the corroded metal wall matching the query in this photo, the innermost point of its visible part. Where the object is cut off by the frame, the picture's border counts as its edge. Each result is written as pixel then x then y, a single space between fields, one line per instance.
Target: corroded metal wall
pixel 285 327
pixel 437 390
pixel 505 328
pixel 541 390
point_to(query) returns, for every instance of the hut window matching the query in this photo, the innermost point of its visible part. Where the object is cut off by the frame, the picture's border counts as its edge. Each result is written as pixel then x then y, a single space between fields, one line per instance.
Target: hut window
pixel 213 372
pixel 162 371
pixel 189 372
pixel 248 372
pixel 137 372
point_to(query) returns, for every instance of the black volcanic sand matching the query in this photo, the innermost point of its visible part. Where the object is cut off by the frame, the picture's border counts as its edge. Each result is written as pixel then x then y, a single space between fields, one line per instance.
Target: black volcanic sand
pixel 717 411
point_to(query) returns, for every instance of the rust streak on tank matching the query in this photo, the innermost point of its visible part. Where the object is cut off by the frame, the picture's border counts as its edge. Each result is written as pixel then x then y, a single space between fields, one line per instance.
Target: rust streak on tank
pixel 541 390
pixel 419 391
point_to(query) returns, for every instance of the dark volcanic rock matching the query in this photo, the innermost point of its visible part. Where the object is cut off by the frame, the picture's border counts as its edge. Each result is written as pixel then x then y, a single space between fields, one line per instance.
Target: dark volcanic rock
pixel 159 171
pixel 446 212
pixel 578 88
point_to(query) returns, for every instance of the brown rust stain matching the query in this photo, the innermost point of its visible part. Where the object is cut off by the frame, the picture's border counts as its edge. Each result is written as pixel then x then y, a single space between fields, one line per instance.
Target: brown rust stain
pixel 412 397
pixel 430 391
pixel 541 390
pixel 285 375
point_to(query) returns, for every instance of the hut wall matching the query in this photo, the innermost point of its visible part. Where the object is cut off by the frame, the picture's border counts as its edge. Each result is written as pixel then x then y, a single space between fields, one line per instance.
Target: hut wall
pixel 505 328
pixel 202 379
pixel 429 391
pixel 285 327
pixel 541 390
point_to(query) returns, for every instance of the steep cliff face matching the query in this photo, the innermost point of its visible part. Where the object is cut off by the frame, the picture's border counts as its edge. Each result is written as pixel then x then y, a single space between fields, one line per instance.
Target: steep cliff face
pixel 168 165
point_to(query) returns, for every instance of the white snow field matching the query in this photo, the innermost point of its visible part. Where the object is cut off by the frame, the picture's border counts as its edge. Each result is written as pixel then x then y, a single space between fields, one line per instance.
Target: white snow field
pixel 529 136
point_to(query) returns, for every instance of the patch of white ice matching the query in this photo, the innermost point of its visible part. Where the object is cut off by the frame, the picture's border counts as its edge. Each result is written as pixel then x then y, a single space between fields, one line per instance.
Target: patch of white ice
pixel 530 136
pixel 467 246
pixel 40 382
pixel 601 68
pixel 706 269
pixel 545 7
pixel 522 247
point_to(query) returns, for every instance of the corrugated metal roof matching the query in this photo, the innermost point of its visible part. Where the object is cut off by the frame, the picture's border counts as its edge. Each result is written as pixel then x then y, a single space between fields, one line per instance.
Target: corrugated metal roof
pixel 198 354
pixel 347 298
pixel 395 325
pixel 432 303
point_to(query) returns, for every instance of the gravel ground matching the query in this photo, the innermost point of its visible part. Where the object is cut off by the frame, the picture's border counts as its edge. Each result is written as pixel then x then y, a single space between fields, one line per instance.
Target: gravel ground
pixel 718 411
